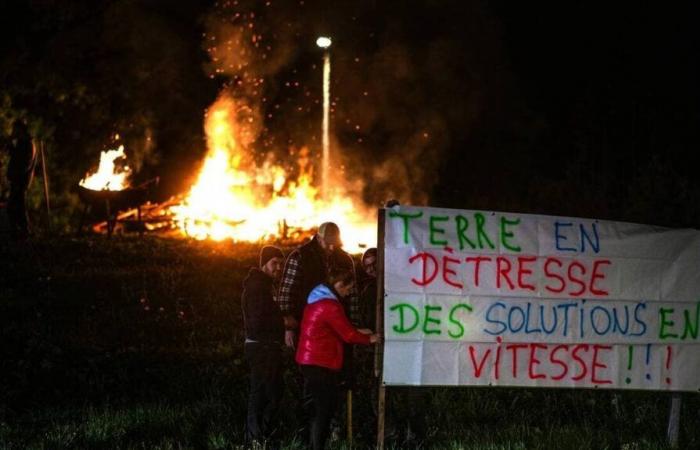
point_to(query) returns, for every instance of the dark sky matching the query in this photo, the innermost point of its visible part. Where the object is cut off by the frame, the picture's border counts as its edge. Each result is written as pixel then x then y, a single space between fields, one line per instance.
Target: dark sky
pixel 573 108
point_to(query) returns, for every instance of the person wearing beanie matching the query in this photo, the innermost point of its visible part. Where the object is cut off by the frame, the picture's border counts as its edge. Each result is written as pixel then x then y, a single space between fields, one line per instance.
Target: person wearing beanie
pixel 306 267
pixel 264 335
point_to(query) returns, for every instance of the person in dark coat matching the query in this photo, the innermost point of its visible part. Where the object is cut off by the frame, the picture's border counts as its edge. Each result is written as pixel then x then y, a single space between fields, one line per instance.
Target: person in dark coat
pixel 368 293
pixel 19 173
pixel 308 266
pixel 264 335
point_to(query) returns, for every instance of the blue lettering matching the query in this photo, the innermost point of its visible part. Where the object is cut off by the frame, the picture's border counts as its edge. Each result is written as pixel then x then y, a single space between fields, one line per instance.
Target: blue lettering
pixel 554 326
pixel 594 322
pixel 566 307
pixel 496 321
pixel 585 237
pixel 527 321
pixel 639 320
pixel 616 321
pixel 582 319
pixel 510 319
pixel 559 237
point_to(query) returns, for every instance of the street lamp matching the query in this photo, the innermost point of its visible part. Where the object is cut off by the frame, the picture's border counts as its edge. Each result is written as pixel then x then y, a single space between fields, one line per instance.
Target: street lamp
pixel 324 42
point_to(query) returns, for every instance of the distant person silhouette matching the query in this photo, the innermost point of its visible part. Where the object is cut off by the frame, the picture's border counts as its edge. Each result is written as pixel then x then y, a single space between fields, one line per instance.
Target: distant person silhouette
pixel 19 173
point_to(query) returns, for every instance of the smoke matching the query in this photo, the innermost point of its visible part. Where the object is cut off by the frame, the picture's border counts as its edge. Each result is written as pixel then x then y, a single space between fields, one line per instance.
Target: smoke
pixel 395 93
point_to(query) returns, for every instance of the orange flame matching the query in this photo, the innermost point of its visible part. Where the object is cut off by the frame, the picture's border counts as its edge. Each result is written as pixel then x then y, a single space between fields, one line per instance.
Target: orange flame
pixel 235 199
pixel 108 176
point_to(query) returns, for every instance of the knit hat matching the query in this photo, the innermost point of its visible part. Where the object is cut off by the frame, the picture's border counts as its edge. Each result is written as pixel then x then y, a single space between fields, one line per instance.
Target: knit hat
pixel 268 252
pixel 330 233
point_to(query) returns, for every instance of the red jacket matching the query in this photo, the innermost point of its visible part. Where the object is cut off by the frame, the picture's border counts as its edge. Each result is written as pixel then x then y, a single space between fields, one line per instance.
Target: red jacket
pixel 324 328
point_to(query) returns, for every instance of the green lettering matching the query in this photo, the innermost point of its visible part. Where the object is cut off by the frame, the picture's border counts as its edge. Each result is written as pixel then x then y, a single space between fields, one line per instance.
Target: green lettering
pixel 690 328
pixel 508 234
pixel 451 318
pixel 480 222
pixel 462 225
pixel 664 322
pixel 406 218
pixel 429 308
pixel 434 229
pixel 401 328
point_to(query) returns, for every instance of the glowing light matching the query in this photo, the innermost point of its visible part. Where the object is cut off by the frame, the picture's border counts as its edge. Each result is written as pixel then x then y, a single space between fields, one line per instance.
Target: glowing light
pixel 323 41
pixel 233 198
pixel 108 176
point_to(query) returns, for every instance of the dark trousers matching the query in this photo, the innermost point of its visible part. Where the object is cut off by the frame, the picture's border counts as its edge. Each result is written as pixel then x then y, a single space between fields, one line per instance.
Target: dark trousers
pixel 266 388
pixel 17 209
pixel 320 397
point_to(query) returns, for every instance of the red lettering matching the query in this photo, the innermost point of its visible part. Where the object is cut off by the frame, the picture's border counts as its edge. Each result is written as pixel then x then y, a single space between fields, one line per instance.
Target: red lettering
pixel 478 368
pixel 596 275
pixel 597 365
pixel 534 361
pixel 515 348
pixel 522 270
pixel 477 266
pixel 575 280
pixel 549 274
pixel 574 355
pixel 555 360
pixel 446 270
pixel 503 267
pixel 426 279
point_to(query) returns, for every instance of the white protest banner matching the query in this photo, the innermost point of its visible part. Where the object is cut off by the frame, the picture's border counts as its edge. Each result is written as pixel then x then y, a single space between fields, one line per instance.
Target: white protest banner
pixel 490 298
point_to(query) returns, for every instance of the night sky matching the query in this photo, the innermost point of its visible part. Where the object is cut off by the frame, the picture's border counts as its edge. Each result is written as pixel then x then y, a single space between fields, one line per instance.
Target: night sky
pixel 567 108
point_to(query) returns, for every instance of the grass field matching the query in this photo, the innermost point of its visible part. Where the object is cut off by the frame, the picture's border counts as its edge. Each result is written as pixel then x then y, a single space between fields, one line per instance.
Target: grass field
pixel 137 344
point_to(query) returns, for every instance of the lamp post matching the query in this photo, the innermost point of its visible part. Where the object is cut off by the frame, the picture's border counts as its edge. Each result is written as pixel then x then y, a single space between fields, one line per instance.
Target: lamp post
pixel 324 42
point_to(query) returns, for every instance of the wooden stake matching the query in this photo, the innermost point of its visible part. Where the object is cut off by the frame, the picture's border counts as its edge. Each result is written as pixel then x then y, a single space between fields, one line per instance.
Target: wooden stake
pixel 380 416
pixel 674 418
pixel 45 177
pixel 378 349
pixel 349 416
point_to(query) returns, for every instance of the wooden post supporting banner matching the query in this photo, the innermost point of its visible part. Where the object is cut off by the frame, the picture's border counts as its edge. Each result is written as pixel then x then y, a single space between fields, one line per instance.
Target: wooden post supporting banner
pixel 349 416
pixel 45 177
pixel 381 405
pixel 378 350
pixel 674 417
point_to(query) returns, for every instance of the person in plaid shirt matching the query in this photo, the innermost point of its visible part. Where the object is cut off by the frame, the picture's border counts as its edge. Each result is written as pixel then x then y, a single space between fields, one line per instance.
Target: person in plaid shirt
pixel 307 267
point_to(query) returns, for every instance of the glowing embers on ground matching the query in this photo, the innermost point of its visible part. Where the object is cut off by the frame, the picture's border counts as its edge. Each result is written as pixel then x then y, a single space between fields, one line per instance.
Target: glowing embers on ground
pixel 233 198
pixel 109 176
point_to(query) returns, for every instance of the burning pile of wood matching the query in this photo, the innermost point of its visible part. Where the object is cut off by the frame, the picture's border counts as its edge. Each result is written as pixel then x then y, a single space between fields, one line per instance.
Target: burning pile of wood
pixel 159 218
pixel 236 195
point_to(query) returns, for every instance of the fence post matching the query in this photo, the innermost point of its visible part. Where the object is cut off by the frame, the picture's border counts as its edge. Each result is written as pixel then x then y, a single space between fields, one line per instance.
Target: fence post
pixel 674 418
pixel 378 351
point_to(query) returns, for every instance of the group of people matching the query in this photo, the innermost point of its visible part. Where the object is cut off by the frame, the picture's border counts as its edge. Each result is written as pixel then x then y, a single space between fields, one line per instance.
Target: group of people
pixel 309 302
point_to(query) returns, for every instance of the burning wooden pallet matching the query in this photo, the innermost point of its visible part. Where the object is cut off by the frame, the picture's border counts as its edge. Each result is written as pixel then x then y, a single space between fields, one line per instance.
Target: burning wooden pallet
pixel 159 218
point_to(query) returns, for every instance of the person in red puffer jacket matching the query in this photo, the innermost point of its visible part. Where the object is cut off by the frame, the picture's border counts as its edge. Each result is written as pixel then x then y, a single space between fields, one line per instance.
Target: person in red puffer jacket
pixel 324 329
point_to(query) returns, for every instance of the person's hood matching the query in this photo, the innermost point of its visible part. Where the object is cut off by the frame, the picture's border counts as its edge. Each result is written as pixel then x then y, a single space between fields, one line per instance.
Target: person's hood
pixel 321 292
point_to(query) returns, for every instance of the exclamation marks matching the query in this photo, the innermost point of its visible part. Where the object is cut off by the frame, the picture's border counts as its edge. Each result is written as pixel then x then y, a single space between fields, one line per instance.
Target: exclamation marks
pixel 669 353
pixel 630 356
pixel 647 361
pixel 667 361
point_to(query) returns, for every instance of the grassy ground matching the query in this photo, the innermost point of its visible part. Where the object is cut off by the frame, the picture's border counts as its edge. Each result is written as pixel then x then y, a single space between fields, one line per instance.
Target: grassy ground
pixel 137 343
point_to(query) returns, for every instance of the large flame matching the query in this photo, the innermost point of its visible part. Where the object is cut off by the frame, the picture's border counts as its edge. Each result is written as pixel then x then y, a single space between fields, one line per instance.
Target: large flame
pixel 233 198
pixel 108 176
